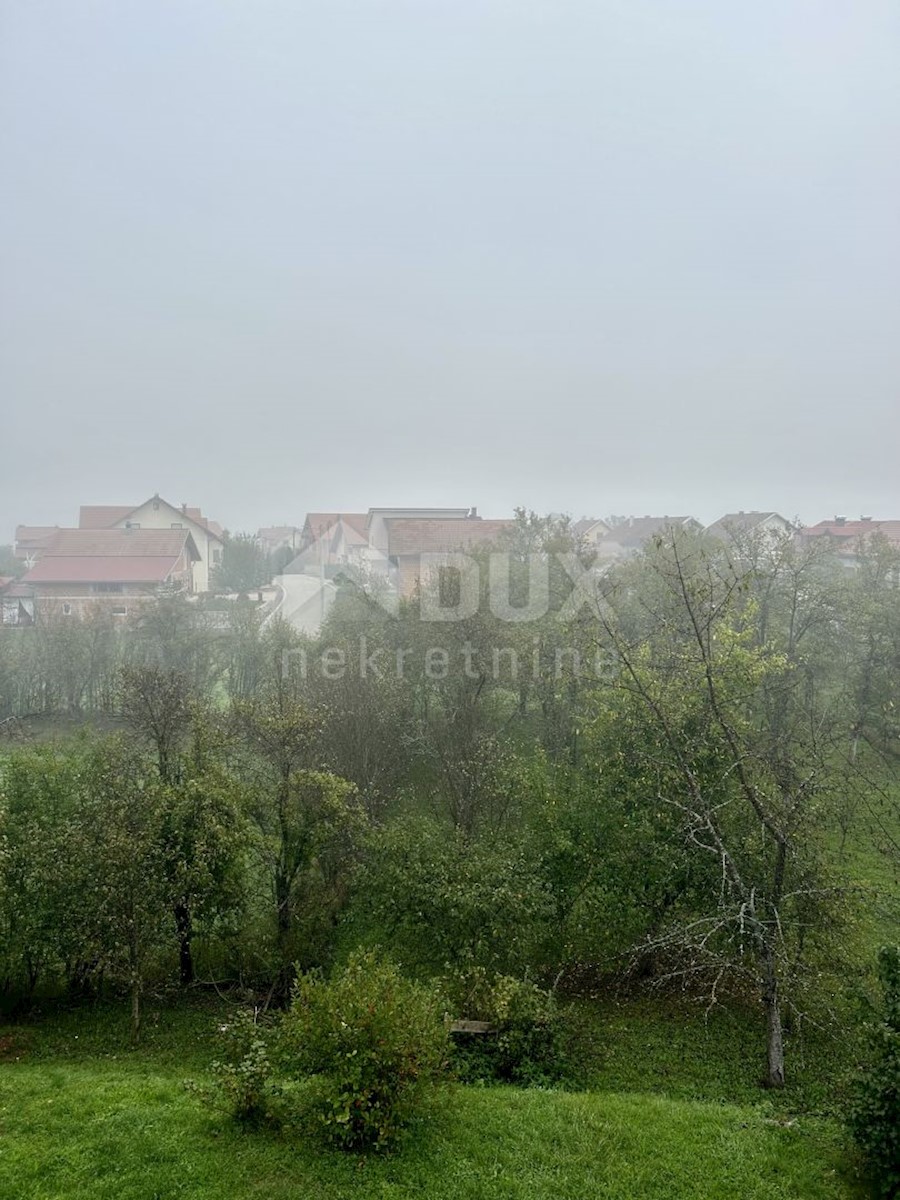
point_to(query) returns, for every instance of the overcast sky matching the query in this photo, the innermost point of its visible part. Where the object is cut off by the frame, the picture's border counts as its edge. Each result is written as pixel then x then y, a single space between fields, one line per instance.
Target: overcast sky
pixel 581 255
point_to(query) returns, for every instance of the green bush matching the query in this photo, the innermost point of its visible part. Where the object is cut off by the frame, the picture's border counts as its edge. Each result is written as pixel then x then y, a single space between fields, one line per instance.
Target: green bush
pixel 875 1113
pixel 374 1044
pixel 528 1046
pixel 244 1074
pixel 442 898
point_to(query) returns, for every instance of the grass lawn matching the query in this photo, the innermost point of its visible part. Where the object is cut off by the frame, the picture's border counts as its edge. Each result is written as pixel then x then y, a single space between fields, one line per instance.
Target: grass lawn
pixel 82 1118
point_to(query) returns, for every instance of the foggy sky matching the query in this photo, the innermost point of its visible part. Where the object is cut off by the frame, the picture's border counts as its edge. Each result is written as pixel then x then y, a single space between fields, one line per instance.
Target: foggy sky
pixel 581 255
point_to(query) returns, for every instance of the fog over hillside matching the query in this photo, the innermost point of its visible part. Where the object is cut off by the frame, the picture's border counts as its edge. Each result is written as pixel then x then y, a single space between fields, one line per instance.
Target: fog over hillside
pixel 584 256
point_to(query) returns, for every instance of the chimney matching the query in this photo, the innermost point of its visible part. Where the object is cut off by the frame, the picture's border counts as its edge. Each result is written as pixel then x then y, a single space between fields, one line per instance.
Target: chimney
pixel 473 513
pixel 184 509
pixel 865 518
pixel 840 520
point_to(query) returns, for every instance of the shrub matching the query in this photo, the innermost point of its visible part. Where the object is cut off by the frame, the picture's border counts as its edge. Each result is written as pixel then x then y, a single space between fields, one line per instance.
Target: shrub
pixel 875 1113
pixel 374 1044
pixel 444 898
pixel 528 1046
pixel 244 1075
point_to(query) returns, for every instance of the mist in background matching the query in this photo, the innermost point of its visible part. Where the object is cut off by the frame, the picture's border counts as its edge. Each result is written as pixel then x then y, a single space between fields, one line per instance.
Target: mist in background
pixel 584 256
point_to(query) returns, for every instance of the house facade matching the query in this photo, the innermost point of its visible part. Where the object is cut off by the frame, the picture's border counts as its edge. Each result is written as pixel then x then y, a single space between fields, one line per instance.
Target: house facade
pixel 118 569
pixel 849 539
pixel 156 513
pixel 629 536
pixel 752 530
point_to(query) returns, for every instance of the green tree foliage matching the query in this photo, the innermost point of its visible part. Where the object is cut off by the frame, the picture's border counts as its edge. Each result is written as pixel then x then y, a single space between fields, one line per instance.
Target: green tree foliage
pixel 875 1115
pixel 9 564
pixel 307 821
pixel 373 1045
pixel 244 565
pixel 449 901
pixel 721 728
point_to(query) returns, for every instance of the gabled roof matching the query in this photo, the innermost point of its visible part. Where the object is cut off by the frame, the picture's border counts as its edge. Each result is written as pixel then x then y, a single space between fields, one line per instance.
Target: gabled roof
pixel 853 530
pixel 31 537
pixel 586 524
pixel 743 522
pixel 320 524
pixel 637 531
pixel 107 516
pixel 119 568
pixel 124 543
pixel 430 536
pixel 102 516
pixel 113 556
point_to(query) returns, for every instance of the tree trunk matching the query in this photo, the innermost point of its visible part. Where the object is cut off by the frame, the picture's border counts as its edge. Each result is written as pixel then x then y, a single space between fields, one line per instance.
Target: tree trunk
pixel 774 1040
pixel 135 1008
pixel 284 927
pixel 185 930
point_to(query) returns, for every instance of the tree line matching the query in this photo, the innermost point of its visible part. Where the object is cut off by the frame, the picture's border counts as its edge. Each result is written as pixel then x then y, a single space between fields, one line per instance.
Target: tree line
pixel 685 816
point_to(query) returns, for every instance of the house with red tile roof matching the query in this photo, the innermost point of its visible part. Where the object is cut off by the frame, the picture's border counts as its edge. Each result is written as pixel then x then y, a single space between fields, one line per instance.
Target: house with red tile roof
pixel 388 542
pixel 320 525
pixel 849 538
pixel 156 513
pixel 403 540
pixel 119 568
pixel 329 543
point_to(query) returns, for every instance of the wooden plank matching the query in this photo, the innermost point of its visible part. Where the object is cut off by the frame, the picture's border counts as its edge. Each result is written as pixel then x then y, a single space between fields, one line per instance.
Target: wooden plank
pixel 472 1027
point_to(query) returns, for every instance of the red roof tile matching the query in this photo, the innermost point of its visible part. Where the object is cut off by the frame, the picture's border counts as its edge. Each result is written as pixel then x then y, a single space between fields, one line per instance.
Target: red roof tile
pixel 102 569
pixel 102 516
pixel 127 543
pixel 318 524
pixel 436 536
pixel 852 530
pixel 106 516
pixel 34 535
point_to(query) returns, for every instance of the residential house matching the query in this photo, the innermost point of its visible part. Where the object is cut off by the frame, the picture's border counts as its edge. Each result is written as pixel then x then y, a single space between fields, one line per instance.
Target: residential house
pixel 329 543
pixel 848 538
pixel 156 513
pixel 404 540
pixel 591 531
pixel 762 530
pixel 120 568
pixel 387 542
pixel 629 536
pixel 383 544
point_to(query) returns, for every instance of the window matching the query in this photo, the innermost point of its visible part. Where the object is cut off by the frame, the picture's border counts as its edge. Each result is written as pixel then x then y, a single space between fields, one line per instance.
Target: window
pixel 119 610
pixel 107 588
pixel 67 610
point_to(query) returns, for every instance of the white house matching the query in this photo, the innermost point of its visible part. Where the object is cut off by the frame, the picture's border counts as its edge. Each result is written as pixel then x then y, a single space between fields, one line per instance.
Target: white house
pixel 763 530
pixel 157 513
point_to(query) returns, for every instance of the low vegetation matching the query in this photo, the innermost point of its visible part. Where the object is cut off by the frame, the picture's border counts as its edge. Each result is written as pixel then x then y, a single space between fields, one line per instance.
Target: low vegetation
pixel 666 875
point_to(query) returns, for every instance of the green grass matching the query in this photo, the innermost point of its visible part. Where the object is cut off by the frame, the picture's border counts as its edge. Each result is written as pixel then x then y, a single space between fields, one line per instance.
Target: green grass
pixel 674 1048
pixel 113 1131
pixel 82 1117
